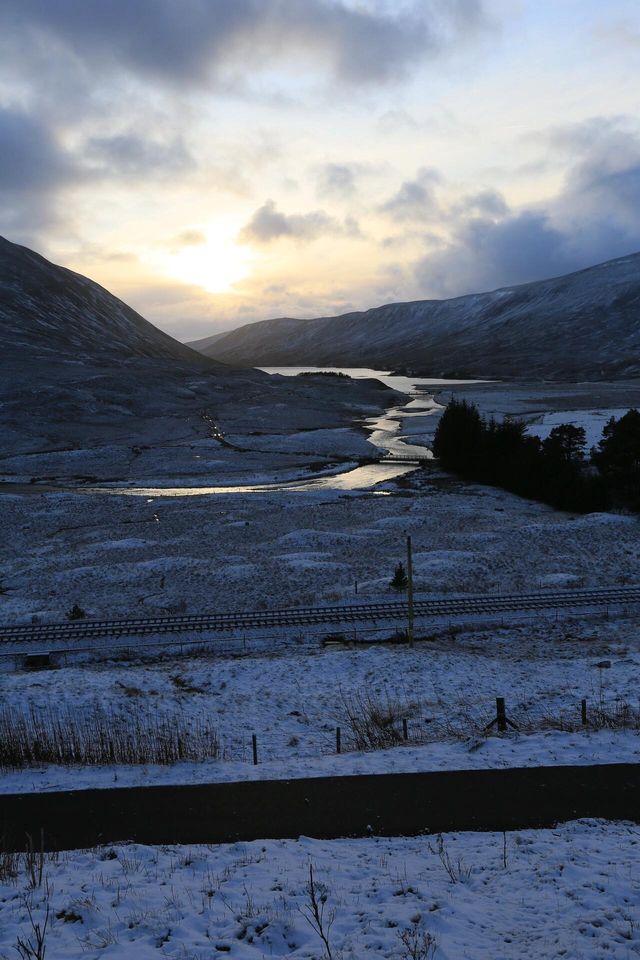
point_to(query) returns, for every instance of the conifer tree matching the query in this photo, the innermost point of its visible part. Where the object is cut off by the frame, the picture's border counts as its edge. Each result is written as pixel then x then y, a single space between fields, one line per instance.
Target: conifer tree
pixel 399 580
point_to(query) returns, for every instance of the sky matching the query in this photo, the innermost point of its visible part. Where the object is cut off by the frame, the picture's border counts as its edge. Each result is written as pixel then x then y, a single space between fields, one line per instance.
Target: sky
pixel 217 162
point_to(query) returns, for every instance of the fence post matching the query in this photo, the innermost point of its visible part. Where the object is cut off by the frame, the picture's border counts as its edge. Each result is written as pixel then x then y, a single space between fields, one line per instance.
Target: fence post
pixel 405 729
pixel 501 720
pixel 254 746
pixel 584 713
pixel 338 740
pixel 501 714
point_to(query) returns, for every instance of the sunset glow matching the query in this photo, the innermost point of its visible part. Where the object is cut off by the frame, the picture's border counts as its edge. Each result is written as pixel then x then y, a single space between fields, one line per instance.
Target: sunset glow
pixel 253 160
pixel 215 265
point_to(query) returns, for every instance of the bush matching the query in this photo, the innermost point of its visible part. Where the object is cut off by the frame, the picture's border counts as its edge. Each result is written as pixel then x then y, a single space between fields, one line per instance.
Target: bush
pixel 372 722
pixel 76 613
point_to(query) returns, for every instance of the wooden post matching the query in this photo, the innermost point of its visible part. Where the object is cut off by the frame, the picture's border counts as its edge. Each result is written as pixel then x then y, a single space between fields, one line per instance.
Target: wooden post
pixel 338 740
pixel 254 745
pixel 501 720
pixel 410 592
pixel 584 713
pixel 405 729
pixel 501 714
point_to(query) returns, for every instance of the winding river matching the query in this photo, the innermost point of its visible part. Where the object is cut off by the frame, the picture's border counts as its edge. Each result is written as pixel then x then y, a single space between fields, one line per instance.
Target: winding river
pixel 384 431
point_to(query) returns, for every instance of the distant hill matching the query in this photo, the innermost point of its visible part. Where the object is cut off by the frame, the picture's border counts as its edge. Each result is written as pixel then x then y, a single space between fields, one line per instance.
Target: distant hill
pixel 585 325
pixel 49 312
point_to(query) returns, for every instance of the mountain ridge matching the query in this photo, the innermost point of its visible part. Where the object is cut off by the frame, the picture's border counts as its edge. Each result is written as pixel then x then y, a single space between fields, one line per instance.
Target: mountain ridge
pixel 583 325
pixel 49 311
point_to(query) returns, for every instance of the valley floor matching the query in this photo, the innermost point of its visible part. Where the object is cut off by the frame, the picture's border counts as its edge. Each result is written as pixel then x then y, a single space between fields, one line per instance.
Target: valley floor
pixel 567 893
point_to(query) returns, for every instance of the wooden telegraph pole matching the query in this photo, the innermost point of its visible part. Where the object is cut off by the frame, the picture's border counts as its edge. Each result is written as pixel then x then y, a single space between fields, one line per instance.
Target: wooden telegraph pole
pixel 410 592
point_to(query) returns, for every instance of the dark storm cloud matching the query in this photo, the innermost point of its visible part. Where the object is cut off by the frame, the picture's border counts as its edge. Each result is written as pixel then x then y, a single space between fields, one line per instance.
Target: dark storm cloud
pixel 185 41
pixel 131 156
pixel 595 218
pixel 33 167
pixel 486 254
pixel 268 224
pixel 487 203
pixel 30 158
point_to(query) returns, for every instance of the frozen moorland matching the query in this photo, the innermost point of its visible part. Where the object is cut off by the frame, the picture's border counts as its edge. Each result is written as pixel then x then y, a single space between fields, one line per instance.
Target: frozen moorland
pixel 140 479
pixel 570 893
pixel 293 701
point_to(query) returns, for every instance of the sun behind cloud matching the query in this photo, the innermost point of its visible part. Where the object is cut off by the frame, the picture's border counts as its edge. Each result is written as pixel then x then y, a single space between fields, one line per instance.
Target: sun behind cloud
pixel 215 263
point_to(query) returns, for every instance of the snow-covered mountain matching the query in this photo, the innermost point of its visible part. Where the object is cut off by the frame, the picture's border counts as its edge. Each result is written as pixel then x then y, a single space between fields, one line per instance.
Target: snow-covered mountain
pixel 52 313
pixel 585 325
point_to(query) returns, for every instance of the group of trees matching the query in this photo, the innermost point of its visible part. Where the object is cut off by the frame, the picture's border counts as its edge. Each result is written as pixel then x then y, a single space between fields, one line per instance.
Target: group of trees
pixel 557 470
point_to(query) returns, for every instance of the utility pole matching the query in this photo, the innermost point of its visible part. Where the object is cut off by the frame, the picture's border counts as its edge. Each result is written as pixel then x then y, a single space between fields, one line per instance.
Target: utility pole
pixel 410 591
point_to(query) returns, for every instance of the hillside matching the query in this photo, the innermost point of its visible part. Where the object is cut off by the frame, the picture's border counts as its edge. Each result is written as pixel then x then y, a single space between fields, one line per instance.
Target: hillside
pixel 50 312
pixel 89 388
pixel 585 325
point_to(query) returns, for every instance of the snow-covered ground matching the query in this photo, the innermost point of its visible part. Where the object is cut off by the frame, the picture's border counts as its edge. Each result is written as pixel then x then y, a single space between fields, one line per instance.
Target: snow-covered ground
pixel 592 422
pixel 293 701
pixel 144 555
pixel 570 892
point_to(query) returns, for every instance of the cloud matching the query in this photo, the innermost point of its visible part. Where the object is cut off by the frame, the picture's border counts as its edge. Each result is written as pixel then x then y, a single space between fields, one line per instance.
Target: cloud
pixel 33 168
pixel 485 254
pixel 337 180
pixel 596 217
pixel 415 200
pixel 188 41
pixel 268 224
pixel 487 203
pixel 190 238
pixel 30 157
pixel 131 156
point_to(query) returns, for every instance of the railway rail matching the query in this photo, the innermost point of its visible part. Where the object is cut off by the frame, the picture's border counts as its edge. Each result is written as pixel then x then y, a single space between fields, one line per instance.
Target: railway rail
pixel 495 604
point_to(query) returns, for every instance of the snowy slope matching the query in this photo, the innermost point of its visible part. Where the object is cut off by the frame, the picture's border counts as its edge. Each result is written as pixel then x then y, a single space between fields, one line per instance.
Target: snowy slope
pixel 585 325
pixel 49 312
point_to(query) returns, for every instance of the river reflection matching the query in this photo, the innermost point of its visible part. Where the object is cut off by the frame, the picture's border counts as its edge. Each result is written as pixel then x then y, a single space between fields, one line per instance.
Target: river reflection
pixel 385 433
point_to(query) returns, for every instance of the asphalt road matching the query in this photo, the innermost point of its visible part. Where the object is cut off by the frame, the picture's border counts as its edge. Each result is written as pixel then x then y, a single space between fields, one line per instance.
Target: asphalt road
pixel 323 807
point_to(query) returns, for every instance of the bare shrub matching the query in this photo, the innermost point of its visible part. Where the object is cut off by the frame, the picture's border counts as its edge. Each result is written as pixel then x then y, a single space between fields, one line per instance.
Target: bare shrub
pixel 620 715
pixel 417 943
pixel 315 913
pixel 33 946
pixel 457 870
pixel 9 864
pixel 93 736
pixel 34 861
pixel 373 722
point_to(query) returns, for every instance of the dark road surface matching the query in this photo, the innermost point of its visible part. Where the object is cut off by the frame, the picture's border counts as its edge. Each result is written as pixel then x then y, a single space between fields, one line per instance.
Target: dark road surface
pixel 327 807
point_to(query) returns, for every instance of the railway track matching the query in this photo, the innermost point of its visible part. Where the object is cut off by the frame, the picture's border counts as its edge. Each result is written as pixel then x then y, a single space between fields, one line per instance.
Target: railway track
pixel 325 615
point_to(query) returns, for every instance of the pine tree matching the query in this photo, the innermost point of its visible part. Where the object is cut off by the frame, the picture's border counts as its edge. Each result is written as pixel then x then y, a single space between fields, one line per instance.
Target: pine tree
pixel 400 580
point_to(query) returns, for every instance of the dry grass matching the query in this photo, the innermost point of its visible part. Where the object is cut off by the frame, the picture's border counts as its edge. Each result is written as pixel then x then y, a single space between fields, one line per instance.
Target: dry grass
pixel 373 721
pixel 92 736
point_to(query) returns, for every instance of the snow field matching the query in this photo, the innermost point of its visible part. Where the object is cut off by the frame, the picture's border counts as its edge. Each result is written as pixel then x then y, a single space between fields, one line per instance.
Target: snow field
pixel 119 556
pixel 293 701
pixel 569 893
pixel 592 422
